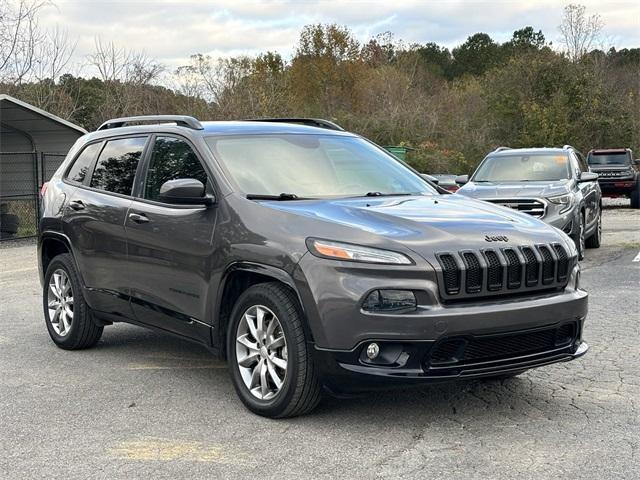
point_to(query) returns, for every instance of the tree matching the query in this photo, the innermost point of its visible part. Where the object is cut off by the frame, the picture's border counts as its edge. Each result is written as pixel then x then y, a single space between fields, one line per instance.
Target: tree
pixel 323 70
pixel 436 57
pixel 475 56
pixel 579 30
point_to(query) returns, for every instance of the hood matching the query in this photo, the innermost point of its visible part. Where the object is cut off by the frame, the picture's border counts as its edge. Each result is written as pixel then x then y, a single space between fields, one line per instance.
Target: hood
pixel 515 189
pixel 424 224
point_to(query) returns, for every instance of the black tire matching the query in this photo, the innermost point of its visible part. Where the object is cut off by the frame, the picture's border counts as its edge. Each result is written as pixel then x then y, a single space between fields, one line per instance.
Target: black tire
pixel 301 390
pixel 596 237
pixel 635 196
pixel 83 331
pixel 579 239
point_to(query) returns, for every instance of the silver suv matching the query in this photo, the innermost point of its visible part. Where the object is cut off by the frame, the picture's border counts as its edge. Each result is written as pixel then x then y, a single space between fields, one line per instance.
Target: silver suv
pixel 552 184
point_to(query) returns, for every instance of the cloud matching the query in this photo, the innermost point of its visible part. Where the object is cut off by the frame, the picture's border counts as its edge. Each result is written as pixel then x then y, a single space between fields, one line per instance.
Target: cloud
pixel 172 30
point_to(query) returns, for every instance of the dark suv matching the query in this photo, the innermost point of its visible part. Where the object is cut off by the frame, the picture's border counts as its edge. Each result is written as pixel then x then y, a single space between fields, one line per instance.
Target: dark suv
pixel 305 255
pixel 618 173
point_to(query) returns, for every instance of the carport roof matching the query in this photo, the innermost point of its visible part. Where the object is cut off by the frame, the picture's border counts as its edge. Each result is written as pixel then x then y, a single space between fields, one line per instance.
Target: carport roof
pixel 22 116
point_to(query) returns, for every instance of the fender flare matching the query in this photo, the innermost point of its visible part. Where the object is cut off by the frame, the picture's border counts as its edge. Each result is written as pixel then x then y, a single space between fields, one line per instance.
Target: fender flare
pixel 62 238
pixel 276 273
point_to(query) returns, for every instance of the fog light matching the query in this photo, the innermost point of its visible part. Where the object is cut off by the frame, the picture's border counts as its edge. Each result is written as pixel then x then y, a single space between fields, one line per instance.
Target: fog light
pixel 389 300
pixel 373 350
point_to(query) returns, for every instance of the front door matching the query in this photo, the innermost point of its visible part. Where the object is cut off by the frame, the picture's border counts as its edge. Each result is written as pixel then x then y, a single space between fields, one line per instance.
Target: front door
pixel 170 246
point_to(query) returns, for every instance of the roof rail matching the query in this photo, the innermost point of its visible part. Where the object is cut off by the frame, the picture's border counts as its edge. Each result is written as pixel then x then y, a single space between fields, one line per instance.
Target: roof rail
pixel 180 120
pixel 499 149
pixel 567 147
pixel 312 122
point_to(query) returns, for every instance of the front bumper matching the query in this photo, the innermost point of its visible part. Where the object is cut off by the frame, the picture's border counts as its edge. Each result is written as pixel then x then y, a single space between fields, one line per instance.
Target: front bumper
pixel 617 186
pixel 332 294
pixel 347 372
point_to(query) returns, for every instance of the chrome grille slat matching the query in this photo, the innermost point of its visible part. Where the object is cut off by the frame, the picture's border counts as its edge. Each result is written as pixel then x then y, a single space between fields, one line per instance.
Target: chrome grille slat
pixel 530 206
pixel 503 271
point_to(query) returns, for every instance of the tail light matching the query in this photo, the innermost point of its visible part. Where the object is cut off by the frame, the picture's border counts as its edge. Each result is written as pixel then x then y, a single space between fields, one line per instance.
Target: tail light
pixel 43 189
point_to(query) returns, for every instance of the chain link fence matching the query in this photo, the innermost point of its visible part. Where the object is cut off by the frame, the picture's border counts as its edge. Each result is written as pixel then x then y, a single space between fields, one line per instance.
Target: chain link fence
pixel 21 176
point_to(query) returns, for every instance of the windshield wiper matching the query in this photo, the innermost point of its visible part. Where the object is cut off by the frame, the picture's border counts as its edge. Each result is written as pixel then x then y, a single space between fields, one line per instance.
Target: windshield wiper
pixel 281 197
pixel 380 194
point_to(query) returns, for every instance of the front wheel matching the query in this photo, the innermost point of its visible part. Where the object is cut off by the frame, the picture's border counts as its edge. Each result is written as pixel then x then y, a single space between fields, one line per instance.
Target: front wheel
pixel 270 361
pixel 579 239
pixel 596 237
pixel 635 196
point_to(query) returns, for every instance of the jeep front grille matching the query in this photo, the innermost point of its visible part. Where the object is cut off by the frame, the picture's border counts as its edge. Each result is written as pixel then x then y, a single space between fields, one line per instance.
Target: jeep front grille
pixel 531 206
pixel 501 271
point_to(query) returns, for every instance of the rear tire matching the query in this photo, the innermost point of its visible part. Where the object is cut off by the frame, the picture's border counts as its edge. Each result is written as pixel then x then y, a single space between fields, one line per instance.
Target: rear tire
pixel 266 333
pixel 68 317
pixel 596 237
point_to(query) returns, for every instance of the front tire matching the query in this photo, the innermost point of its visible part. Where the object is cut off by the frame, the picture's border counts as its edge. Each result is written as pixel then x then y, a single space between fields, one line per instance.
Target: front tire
pixel 67 315
pixel 270 361
pixel 579 239
pixel 596 237
pixel 635 196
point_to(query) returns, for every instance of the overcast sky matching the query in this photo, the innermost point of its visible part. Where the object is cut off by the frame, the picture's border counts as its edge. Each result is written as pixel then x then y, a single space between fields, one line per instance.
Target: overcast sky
pixel 172 30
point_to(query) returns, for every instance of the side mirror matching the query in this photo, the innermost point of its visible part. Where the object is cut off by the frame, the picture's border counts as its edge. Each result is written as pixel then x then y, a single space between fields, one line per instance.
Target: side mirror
pixel 184 191
pixel 462 179
pixel 588 177
pixel 637 161
pixel 430 178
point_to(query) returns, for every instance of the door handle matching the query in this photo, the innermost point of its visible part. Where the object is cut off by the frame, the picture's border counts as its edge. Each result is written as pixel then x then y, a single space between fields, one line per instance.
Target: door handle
pixel 138 218
pixel 77 204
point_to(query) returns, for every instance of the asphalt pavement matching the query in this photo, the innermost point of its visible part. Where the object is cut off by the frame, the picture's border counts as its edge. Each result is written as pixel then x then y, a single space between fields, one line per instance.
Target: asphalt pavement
pixel 145 405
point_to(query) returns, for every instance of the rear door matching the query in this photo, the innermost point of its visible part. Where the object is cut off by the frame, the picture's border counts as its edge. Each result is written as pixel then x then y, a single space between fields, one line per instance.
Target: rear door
pixel 170 246
pixel 95 215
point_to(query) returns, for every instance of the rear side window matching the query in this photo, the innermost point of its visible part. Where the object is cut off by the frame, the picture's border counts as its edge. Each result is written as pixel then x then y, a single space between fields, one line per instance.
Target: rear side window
pixel 82 164
pixel 116 166
pixel 171 158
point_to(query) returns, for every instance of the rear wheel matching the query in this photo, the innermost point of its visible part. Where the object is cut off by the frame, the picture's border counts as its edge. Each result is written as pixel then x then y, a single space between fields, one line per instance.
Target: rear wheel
pixel 68 317
pixel 270 361
pixel 596 237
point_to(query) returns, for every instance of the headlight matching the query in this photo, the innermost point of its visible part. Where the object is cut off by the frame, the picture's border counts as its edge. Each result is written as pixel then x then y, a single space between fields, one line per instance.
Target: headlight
pixel 564 200
pixel 355 253
pixel 561 199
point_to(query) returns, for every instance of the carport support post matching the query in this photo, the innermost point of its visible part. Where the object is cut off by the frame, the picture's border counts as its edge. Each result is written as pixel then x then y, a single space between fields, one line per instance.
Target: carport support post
pixel 38 169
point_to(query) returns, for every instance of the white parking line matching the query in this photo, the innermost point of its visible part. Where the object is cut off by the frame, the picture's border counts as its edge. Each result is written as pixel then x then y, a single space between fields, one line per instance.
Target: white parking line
pixel 637 259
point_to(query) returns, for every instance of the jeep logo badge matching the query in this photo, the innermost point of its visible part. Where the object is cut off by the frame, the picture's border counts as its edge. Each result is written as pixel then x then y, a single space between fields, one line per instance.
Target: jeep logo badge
pixel 496 238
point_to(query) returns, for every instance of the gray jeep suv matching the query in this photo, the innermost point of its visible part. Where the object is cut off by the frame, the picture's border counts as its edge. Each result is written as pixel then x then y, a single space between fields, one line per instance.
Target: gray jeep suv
pixel 304 255
pixel 552 184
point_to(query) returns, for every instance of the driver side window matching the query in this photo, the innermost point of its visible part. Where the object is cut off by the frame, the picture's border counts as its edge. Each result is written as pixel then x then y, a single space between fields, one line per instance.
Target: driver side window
pixel 171 158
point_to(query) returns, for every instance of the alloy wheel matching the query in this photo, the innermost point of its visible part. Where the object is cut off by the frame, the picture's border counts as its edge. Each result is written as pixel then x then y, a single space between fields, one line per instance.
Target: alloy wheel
pixel 261 352
pixel 60 302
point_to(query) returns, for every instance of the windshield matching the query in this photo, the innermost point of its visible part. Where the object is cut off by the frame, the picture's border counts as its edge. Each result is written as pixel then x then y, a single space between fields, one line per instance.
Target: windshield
pixel 523 168
pixel 620 158
pixel 309 166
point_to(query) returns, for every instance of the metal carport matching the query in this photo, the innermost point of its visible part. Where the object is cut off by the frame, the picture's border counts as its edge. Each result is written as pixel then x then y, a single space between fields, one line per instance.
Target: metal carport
pixel 33 143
